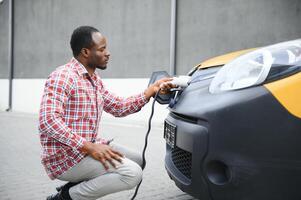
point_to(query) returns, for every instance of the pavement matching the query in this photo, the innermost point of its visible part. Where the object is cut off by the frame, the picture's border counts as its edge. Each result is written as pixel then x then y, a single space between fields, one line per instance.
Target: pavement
pixel 22 176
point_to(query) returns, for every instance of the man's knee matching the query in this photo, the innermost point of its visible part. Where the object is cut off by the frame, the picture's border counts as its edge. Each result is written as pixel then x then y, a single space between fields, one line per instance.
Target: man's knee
pixel 138 159
pixel 138 175
pixel 131 173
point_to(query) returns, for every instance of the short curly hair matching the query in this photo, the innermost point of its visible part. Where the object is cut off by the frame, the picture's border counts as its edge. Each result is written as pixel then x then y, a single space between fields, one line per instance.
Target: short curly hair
pixel 82 38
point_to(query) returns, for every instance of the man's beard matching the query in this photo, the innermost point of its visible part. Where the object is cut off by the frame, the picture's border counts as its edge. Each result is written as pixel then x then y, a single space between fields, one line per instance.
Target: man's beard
pixel 102 67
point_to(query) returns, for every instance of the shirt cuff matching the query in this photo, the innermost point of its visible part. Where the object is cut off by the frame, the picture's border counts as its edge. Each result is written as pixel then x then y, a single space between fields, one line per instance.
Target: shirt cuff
pixel 77 141
pixel 101 141
pixel 142 99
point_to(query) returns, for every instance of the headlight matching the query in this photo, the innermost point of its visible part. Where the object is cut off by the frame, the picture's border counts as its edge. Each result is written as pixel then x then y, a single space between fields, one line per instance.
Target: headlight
pixel 254 68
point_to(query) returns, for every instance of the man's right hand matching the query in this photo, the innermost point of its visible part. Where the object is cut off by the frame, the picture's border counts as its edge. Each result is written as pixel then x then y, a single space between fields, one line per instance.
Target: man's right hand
pixel 103 153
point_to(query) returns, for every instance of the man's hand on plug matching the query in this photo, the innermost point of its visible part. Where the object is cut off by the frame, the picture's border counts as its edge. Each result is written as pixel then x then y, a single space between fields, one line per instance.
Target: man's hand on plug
pixel 163 84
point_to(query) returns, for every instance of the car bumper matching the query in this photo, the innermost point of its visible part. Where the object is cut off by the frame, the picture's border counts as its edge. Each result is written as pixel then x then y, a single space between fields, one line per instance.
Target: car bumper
pixel 183 166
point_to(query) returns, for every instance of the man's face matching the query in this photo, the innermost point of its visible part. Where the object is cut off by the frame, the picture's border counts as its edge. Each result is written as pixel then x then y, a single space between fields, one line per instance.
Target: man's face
pixel 99 55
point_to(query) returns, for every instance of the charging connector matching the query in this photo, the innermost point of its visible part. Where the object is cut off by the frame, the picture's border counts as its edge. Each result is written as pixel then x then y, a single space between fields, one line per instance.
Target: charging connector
pixel 181 81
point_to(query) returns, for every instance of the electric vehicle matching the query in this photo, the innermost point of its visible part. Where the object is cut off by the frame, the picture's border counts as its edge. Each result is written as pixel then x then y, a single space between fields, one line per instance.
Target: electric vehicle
pixel 235 132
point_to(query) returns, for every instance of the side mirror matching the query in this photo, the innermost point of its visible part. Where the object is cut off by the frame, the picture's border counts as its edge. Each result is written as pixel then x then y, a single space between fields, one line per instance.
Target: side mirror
pixel 162 98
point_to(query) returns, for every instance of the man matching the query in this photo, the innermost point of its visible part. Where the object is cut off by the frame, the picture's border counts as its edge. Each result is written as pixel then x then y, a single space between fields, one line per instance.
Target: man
pixel 72 104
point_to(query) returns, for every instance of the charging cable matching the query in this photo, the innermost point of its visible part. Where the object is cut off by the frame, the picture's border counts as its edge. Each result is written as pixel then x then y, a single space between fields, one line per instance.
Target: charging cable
pixel 182 82
pixel 146 142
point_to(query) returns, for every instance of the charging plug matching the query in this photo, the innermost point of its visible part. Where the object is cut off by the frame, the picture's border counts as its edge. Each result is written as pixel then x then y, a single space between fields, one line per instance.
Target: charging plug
pixel 181 81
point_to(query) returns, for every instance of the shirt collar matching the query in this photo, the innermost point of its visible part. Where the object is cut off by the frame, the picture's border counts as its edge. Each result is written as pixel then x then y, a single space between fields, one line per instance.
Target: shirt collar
pixel 80 67
pixel 81 70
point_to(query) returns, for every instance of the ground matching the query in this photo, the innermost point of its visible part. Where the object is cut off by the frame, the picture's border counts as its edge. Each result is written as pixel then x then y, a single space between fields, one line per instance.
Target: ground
pixel 23 177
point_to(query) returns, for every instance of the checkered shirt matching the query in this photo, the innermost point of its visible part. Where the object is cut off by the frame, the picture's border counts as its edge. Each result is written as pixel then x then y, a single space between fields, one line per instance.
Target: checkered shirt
pixel 70 113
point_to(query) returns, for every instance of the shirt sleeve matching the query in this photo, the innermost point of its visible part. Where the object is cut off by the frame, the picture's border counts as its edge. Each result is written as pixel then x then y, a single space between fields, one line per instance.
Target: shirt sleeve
pixel 51 116
pixel 120 106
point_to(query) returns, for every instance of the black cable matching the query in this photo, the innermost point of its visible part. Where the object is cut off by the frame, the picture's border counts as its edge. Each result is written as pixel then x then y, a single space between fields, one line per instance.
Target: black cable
pixel 145 142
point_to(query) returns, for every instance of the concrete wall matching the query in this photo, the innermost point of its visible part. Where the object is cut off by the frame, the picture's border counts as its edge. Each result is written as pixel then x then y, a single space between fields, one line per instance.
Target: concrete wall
pixel 4 69
pixel 212 27
pixel 137 33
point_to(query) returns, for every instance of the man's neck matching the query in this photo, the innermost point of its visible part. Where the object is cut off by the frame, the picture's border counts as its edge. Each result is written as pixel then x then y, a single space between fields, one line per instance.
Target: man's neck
pixel 90 70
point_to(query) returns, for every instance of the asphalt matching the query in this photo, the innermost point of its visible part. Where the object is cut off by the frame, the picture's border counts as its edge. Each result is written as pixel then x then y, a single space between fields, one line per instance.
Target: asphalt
pixel 22 176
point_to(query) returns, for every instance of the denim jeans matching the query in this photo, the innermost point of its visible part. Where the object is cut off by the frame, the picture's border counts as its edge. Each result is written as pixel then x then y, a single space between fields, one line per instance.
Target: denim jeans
pixel 97 182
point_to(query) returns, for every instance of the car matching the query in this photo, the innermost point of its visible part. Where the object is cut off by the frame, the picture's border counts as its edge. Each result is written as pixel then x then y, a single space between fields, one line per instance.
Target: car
pixel 235 132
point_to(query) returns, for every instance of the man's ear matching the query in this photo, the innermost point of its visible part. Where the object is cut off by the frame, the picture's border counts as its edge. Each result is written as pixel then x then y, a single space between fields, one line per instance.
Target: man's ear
pixel 85 52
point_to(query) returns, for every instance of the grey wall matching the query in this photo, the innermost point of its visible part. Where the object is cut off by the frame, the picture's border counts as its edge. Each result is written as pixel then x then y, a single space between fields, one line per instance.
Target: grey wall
pixel 138 32
pixel 208 28
pixel 4 70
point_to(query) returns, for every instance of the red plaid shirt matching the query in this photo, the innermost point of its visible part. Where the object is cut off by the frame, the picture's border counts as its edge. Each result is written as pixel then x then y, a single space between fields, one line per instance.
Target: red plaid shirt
pixel 70 112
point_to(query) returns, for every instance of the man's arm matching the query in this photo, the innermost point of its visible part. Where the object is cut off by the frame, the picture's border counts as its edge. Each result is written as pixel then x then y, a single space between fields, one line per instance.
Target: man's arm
pixel 120 107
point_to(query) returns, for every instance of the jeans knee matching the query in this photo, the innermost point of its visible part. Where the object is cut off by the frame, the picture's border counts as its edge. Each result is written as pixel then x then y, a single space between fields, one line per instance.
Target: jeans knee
pixel 132 175
pixel 139 174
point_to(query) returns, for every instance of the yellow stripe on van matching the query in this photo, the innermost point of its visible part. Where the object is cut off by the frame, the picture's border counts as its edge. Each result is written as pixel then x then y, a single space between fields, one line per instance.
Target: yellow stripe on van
pixel 288 92
pixel 223 59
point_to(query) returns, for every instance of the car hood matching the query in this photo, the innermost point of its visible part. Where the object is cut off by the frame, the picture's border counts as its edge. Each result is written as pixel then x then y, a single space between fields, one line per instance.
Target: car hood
pixel 223 59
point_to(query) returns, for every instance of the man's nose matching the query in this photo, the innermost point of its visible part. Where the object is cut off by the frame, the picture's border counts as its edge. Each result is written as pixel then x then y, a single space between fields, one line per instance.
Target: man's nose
pixel 108 53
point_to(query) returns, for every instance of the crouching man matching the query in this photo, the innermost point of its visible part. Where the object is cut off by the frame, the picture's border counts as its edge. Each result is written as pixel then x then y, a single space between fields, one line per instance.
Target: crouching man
pixel 72 104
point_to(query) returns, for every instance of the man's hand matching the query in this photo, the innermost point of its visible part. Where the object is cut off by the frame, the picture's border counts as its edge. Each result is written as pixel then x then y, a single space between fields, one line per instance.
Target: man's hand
pixel 103 153
pixel 164 84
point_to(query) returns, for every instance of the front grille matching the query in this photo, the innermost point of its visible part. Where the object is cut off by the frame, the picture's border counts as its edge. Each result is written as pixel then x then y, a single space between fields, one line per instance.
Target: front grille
pixel 182 160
